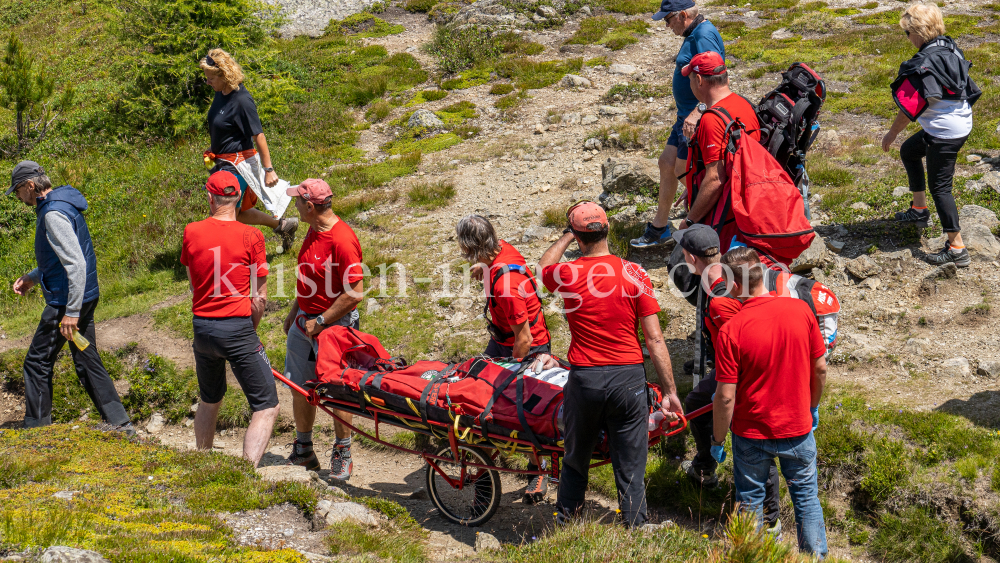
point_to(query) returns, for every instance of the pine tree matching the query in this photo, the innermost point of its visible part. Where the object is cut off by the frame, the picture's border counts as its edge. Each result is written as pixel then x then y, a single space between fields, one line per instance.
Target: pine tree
pixel 29 92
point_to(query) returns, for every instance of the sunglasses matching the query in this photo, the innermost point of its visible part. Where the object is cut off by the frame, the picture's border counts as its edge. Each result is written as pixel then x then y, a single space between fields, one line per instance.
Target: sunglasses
pixel 907 33
pixel 209 61
pixel 669 17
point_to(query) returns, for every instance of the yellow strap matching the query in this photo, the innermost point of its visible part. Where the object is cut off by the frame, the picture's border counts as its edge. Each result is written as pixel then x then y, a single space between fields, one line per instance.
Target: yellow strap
pixel 412 406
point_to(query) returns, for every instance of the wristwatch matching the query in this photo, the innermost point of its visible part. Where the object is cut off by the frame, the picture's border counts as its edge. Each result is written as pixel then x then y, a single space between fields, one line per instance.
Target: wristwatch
pixel 320 320
pixel 268 169
pixel 688 221
pixel 715 443
pixel 702 107
pixel 567 230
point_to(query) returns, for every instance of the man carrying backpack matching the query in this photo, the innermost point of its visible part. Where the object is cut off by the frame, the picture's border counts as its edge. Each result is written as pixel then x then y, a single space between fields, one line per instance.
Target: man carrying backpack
pixel 681 17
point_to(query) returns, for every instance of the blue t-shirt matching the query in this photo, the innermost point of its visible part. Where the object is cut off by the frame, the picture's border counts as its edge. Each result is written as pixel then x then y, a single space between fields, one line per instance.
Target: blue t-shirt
pixel 703 38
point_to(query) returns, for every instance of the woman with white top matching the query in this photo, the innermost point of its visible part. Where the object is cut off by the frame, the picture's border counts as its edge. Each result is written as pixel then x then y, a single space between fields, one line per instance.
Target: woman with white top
pixel 934 89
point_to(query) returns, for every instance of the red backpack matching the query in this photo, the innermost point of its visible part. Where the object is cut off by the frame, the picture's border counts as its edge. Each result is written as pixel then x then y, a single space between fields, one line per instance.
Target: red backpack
pixel 767 206
pixel 342 347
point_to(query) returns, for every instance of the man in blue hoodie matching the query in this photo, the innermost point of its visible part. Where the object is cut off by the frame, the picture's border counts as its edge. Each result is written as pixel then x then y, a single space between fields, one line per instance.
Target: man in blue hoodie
pixel 67 272
pixel 682 18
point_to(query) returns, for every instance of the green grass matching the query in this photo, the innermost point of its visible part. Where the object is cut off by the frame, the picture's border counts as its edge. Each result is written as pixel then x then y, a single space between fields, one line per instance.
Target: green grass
pixel 631 91
pixel 631 7
pixel 427 96
pixel 420 5
pixel 554 216
pixel 914 536
pixel 363 24
pixel 431 196
pixel 608 31
pixel 528 74
pixel 501 89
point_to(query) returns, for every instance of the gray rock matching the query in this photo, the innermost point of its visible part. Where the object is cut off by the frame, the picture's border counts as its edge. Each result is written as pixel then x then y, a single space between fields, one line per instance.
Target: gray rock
pixel 372 307
pixel 900 191
pixel 635 177
pixel 625 213
pixel 426 119
pixel 973 158
pixel 989 368
pixel 155 423
pixel 621 69
pixel 650 528
pixel 860 206
pixel 611 201
pixel 575 81
pixel 610 110
pixel 813 257
pixel 990 180
pixel 593 144
pixel 971 214
pixel 835 245
pixel 61 554
pixel 536 233
pixel 872 283
pixel 571 118
pixel 538 19
pixel 572 49
pixel 979 241
pixel 539 129
pixel 863 267
pixel 547 12
pixel 486 542
pixel 588 119
pixel 487 13
pixel 905 254
pixel 340 511
pixel 917 346
pixel 781 33
pixel 827 139
pixel 461 304
pixel 294 473
pixel 311 17
pixel 819 275
pixel 64 495
pixel 867 352
pixel 956 367
pixel 585 11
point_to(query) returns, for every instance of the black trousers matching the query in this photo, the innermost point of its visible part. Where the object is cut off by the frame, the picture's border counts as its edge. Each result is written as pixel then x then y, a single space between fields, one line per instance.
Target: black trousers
pixel 90 370
pixel 941 155
pixel 701 428
pixel 494 350
pixel 612 399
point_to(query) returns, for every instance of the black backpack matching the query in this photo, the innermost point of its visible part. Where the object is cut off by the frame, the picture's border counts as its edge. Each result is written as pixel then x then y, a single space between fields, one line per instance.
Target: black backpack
pixel 788 123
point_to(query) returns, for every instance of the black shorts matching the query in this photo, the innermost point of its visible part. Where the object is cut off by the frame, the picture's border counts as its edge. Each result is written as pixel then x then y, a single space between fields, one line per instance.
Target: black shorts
pixel 494 350
pixel 232 339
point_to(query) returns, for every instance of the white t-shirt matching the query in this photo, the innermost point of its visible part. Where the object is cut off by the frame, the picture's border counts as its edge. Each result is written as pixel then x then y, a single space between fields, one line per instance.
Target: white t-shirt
pixel 947 119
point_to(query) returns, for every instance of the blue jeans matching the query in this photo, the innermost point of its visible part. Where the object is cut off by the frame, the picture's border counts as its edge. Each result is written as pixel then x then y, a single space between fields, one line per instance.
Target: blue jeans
pixel 797 459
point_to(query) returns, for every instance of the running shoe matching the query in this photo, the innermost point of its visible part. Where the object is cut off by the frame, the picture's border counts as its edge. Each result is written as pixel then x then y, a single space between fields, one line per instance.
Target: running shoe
pixel 303 454
pixel 653 237
pixel 774 530
pixel 341 464
pixel 707 481
pixel 961 257
pixel 919 217
pixel 286 228
pixel 126 428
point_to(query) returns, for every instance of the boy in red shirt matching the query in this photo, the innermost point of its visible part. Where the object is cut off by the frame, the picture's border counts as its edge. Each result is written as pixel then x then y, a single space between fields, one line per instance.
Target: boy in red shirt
pixel 227 267
pixel 329 287
pixel 707 178
pixel 605 300
pixel 771 369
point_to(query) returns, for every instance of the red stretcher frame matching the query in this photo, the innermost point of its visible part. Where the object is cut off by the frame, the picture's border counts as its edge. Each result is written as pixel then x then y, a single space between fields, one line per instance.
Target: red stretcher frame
pixel 554 452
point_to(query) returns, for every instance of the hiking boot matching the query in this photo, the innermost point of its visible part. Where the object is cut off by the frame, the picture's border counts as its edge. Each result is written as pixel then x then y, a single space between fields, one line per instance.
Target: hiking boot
pixel 341 464
pixel 303 454
pixel 919 217
pixel 286 228
pixel 126 428
pixel 961 257
pixel 653 237
pixel 536 490
pixel 773 530
pixel 707 481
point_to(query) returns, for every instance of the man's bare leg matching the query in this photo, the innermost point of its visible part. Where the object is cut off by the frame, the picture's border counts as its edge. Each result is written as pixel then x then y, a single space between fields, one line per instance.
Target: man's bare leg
pixel 340 429
pixel 303 412
pixel 256 217
pixel 204 424
pixel 667 164
pixel 259 433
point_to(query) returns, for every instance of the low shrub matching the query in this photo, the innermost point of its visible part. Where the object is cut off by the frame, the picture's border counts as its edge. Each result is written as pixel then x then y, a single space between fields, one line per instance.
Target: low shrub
pixel 364 24
pixel 501 89
pixel 423 6
pixel 459 49
pixel 431 195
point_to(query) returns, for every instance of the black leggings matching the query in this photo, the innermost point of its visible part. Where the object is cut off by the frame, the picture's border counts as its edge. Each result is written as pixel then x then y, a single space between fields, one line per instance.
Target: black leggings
pixel 941 155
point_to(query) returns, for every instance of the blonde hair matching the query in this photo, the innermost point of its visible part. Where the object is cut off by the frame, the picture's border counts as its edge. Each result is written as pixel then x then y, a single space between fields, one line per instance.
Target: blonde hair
pixel 225 65
pixel 924 19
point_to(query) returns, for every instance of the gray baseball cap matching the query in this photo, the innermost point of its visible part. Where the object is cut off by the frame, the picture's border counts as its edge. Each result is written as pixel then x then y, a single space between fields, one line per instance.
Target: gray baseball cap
pixel 697 239
pixel 25 170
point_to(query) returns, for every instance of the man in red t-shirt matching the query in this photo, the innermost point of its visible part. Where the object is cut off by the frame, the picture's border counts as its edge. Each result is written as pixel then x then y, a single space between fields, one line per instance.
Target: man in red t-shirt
pixel 606 299
pixel 707 186
pixel 328 289
pixel 771 369
pixel 517 328
pixel 227 267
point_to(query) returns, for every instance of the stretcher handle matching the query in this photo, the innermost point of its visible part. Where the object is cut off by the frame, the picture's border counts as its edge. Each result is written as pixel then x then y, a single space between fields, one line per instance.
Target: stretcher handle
pixel 311 395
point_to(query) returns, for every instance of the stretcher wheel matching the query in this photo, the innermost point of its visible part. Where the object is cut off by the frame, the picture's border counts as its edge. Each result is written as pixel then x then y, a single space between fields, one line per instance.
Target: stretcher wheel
pixel 479 496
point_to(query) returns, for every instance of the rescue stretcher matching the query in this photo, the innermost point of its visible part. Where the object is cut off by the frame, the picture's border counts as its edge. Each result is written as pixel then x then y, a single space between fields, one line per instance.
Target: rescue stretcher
pixel 463 475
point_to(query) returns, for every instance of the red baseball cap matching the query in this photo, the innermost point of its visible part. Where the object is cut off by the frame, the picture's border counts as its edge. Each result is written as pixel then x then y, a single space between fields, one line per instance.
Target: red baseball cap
pixel 223 183
pixel 585 213
pixel 313 189
pixel 708 63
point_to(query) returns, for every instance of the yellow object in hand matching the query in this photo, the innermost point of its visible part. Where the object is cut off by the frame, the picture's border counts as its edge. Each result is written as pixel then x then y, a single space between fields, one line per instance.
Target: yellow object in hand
pixel 80 341
pixel 208 162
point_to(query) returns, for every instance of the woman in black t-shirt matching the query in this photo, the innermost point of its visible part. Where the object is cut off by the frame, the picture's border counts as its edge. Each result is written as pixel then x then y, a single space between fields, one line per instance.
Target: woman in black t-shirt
pixel 234 128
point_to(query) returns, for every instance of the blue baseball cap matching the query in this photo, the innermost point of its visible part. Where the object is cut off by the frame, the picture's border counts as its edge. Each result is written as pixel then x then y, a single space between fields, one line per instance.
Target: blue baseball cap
pixel 668 7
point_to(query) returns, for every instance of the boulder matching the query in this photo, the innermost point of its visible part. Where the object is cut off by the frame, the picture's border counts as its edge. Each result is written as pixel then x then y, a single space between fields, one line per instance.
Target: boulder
pixel 928 285
pixel 155 423
pixel 956 367
pixel 575 81
pixel 979 241
pixel 827 139
pixel 538 19
pixel 486 542
pixel 813 257
pixel 630 177
pixel 781 33
pixel 572 49
pixel 863 267
pixel 610 110
pixel 860 206
pixel 487 13
pixel 584 11
pixel 62 554
pixel 294 473
pixel 621 69
pixel 536 233
pixel 835 245
pixel 593 144
pixel 570 118
pixel 900 191
pixel 917 346
pixel 611 201
pixel 974 214
pixel 989 368
pixel 547 12
pixel 334 512
pixel 588 119
pixel 426 119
